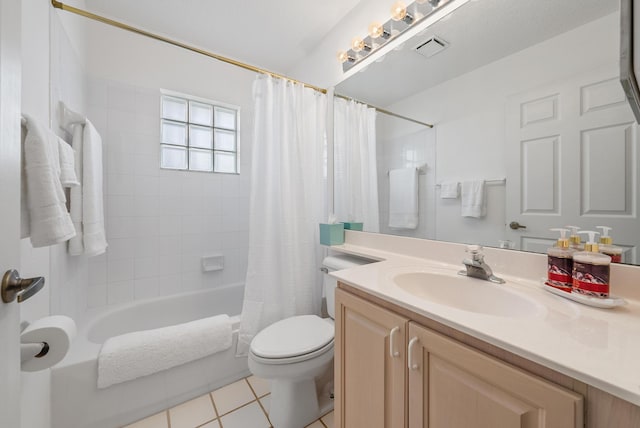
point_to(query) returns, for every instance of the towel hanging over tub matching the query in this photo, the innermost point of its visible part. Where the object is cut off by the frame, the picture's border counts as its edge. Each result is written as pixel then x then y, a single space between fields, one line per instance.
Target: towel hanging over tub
pixel 141 353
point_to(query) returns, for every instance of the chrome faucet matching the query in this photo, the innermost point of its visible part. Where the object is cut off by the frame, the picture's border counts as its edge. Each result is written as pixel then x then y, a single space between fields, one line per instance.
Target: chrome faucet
pixel 476 266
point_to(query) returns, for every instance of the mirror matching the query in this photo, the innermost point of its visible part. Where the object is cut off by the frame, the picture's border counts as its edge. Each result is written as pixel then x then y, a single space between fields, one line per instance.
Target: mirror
pixel 524 95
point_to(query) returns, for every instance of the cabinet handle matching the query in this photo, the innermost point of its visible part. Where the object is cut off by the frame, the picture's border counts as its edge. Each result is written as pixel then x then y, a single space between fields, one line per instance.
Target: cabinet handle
pixel 392 347
pixel 410 363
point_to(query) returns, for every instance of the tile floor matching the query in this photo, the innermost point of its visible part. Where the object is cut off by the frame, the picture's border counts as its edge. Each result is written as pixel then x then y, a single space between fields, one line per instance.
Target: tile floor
pixel 242 404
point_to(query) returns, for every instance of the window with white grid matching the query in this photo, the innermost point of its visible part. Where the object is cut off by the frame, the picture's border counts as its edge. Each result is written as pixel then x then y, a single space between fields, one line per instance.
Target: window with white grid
pixel 198 135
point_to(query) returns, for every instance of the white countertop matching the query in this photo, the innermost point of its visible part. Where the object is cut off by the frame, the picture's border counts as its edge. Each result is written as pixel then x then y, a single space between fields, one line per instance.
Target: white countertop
pixel 600 347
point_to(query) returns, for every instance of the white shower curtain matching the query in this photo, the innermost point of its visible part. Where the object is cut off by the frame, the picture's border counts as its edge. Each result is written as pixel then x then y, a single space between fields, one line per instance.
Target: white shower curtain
pixel 287 203
pixel 356 172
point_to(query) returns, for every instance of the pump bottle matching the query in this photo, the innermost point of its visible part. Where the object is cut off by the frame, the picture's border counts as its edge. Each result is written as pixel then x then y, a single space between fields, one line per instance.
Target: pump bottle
pixel 560 263
pixel 607 247
pixel 591 269
pixel 575 241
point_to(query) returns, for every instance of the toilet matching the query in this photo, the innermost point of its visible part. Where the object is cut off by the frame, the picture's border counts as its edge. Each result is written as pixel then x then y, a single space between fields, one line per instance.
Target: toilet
pixel 296 353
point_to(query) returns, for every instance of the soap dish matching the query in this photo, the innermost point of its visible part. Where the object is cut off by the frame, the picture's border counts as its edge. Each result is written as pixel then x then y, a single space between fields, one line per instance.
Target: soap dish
pixel 608 303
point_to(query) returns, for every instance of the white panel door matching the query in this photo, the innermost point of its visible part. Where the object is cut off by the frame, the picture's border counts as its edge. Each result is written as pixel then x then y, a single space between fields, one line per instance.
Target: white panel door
pixel 9 208
pixel 572 159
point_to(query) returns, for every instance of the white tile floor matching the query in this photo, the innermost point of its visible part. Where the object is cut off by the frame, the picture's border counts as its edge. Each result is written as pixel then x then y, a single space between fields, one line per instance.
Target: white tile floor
pixel 242 404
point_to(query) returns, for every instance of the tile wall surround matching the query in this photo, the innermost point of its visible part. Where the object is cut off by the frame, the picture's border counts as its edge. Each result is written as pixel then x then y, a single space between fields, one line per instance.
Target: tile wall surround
pixel 160 222
pixel 69 275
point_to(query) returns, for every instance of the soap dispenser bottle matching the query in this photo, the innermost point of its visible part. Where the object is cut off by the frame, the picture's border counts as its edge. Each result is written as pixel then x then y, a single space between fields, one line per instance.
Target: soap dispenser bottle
pixel 607 247
pixel 560 263
pixel 575 241
pixel 591 269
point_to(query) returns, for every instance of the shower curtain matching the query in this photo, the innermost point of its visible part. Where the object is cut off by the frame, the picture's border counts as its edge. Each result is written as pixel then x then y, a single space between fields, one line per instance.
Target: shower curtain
pixel 356 172
pixel 287 203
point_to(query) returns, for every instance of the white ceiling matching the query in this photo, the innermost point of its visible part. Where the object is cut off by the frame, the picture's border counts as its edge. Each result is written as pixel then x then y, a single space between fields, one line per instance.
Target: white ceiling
pixel 480 32
pixel 272 34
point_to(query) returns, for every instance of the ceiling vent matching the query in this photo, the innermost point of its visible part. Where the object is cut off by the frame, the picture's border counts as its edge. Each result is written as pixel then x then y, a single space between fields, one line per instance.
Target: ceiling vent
pixel 431 47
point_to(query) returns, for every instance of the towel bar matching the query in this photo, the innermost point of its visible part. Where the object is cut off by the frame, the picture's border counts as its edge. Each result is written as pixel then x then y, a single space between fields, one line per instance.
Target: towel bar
pixel 494 181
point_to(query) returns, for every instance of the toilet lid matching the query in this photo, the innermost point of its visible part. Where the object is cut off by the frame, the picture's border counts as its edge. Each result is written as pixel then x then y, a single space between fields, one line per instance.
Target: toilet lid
pixel 293 336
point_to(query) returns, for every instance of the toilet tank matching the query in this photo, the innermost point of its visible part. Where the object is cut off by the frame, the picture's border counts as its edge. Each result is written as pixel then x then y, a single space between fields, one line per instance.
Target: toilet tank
pixel 333 263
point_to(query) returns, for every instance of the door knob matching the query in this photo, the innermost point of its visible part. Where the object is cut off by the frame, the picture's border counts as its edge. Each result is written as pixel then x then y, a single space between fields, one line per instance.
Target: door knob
pixel 13 286
pixel 515 225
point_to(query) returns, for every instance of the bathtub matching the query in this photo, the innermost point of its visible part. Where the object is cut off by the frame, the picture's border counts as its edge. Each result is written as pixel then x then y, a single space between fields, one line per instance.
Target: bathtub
pixel 76 402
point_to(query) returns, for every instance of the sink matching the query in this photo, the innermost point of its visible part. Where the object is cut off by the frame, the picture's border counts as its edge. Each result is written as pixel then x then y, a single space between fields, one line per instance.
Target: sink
pixel 467 294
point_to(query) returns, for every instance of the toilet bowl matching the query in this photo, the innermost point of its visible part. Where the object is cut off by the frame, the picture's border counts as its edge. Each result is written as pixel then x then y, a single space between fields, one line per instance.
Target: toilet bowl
pixel 294 353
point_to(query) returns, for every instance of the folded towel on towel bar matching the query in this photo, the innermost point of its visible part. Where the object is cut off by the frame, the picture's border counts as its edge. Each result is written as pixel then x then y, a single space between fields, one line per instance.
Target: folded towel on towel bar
pixel 141 353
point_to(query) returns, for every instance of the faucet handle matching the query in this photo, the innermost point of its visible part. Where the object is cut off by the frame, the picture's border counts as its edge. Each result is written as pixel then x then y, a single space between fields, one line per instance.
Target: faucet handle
pixel 476 252
pixel 474 249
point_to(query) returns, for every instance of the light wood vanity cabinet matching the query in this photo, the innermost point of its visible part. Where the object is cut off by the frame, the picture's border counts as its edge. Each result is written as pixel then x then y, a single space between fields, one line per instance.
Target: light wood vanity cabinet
pixel 392 372
pixel 370 369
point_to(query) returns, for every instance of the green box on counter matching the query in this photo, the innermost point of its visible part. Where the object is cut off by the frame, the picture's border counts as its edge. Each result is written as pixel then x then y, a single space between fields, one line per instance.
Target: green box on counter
pixel 350 225
pixel 331 234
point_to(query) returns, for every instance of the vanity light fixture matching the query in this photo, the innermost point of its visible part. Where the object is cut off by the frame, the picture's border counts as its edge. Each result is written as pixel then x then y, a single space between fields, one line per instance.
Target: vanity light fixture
pixel 402 18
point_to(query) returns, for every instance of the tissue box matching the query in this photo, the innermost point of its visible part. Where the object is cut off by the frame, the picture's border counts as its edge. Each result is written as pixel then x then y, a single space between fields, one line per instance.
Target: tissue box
pixel 350 225
pixel 331 234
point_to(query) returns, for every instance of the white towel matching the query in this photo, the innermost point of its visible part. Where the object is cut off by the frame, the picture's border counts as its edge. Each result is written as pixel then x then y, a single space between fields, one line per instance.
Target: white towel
pixel 133 355
pixel 449 190
pixel 87 209
pixel 403 198
pixel 68 176
pixel 472 199
pixel 44 214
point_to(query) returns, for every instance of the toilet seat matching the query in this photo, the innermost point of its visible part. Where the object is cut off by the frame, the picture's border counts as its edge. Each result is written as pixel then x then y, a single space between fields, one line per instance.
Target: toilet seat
pixel 293 340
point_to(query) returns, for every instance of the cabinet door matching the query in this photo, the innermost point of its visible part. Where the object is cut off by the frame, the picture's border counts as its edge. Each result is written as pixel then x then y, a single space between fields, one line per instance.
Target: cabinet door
pixel 370 360
pixel 454 386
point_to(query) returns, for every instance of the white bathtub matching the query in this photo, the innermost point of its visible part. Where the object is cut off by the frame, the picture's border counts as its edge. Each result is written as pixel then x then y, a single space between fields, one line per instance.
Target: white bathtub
pixel 78 403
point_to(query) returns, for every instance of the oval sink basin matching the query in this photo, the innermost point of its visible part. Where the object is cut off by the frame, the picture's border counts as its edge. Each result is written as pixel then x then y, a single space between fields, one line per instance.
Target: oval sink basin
pixel 467 294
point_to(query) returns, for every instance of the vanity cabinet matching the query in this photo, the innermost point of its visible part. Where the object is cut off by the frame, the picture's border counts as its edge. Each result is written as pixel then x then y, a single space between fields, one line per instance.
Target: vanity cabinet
pixel 393 372
pixel 370 362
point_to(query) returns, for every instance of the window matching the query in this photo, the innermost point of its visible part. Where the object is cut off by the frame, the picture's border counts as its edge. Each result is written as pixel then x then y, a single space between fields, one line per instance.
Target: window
pixel 198 135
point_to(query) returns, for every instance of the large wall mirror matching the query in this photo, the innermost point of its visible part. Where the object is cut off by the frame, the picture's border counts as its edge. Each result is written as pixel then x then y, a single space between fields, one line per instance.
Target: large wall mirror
pixel 526 96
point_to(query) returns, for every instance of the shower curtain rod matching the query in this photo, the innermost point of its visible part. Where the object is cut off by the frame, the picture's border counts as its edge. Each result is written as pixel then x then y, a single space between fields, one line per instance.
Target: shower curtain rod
pixel 59 5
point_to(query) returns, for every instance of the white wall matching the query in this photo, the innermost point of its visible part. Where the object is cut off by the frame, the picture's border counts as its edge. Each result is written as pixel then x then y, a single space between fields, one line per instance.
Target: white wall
pixel 161 222
pixel 469 113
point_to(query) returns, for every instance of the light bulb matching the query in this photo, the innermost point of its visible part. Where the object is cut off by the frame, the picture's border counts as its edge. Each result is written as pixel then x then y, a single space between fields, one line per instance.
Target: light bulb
pixel 398 11
pixel 375 30
pixel 343 56
pixel 357 44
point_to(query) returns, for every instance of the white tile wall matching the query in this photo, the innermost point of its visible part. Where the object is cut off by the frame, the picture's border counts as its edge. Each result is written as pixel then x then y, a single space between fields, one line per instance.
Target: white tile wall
pixel 159 222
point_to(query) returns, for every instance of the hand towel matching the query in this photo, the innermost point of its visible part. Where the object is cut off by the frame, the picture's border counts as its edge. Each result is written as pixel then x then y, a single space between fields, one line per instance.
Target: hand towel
pixel 449 190
pixel 87 209
pixel 403 198
pixel 141 353
pixel 68 176
pixel 472 199
pixel 46 214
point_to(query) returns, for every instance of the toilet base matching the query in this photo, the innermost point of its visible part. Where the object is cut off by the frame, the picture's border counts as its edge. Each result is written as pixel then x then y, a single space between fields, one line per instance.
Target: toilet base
pixel 303 393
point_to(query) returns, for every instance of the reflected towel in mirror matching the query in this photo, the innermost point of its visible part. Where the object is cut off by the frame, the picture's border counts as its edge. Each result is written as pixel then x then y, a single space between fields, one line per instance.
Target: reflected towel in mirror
pixel 403 198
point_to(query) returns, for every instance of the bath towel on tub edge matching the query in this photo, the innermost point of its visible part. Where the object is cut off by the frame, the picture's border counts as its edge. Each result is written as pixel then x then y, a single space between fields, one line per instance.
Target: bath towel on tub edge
pixel 141 353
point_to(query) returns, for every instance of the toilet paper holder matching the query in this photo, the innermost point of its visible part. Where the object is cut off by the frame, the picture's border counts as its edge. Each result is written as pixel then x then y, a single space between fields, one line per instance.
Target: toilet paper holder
pixel 13 286
pixel 33 350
